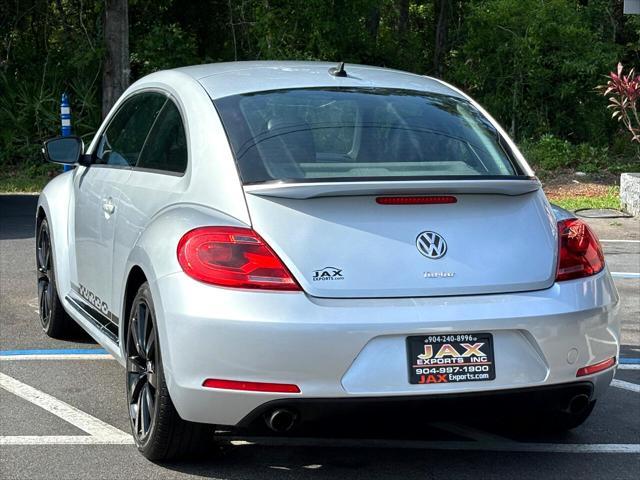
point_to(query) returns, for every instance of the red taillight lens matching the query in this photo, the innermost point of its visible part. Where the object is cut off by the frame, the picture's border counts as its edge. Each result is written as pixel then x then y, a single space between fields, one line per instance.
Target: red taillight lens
pixel 428 200
pixel 580 253
pixel 597 367
pixel 232 257
pixel 250 386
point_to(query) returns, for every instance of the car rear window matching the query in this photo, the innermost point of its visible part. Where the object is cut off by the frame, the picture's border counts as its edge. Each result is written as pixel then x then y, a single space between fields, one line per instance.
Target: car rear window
pixel 325 134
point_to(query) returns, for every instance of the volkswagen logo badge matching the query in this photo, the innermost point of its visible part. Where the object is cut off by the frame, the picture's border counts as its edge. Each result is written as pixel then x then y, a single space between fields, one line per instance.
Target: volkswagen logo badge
pixel 431 245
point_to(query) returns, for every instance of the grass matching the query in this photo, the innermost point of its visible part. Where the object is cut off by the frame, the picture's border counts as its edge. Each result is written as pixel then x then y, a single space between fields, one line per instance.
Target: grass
pixel 16 181
pixel 611 199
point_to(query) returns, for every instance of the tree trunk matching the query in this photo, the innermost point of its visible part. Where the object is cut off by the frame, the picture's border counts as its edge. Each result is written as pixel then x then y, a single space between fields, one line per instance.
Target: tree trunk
pixel 442 8
pixel 403 16
pixel 373 22
pixel 617 20
pixel 116 69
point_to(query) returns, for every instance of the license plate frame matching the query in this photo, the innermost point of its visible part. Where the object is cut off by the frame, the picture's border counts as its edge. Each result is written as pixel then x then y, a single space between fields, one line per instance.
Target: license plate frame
pixel 450 358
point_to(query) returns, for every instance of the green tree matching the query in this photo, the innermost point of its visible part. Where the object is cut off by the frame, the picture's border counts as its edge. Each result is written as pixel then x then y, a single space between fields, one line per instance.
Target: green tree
pixel 534 66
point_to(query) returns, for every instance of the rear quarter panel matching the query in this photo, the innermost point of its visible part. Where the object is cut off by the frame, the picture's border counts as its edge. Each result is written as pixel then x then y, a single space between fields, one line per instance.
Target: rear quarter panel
pixel 155 253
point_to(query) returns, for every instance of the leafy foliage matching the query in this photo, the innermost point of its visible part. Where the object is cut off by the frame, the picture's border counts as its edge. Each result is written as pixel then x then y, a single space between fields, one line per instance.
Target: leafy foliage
pixel 48 48
pixel 625 93
pixel 532 64
pixel 163 47
pixel 550 154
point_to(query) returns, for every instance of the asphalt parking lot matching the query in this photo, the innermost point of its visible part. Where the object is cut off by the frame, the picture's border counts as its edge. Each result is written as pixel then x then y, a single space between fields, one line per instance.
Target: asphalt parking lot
pixel 63 414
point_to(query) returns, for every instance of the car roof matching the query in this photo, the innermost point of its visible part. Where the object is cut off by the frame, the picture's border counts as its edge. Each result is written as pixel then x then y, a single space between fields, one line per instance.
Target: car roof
pixel 233 78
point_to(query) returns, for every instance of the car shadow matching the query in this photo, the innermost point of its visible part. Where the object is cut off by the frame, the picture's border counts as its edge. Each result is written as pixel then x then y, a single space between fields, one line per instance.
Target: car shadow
pixel 385 452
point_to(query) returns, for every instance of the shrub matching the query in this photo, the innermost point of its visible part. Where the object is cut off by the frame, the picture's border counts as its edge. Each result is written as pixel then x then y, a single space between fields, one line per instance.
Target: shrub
pixel 29 114
pixel 548 153
pixel 552 153
pixel 624 91
pixel 590 159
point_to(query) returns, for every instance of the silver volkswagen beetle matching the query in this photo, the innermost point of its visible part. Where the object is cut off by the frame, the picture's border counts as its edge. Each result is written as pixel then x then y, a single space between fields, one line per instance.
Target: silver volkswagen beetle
pixel 250 239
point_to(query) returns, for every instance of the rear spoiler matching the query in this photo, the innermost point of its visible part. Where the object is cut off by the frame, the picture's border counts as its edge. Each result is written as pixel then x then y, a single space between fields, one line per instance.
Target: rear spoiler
pixel 418 187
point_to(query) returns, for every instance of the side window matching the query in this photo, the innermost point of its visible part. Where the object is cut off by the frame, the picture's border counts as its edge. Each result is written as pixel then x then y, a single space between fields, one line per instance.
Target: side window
pixel 166 147
pixel 124 138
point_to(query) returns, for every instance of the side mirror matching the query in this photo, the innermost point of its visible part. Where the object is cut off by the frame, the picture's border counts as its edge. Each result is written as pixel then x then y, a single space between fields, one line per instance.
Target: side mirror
pixel 65 150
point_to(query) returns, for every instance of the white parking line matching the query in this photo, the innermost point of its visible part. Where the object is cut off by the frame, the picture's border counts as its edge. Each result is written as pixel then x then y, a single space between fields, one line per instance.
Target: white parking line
pixel 62 440
pixel 620 241
pixel 632 387
pixel 100 431
pixel 625 275
pixel 507 446
pixel 629 366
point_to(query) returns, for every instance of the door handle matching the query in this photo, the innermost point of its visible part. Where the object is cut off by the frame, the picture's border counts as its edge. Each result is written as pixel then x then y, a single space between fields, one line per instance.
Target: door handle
pixel 108 206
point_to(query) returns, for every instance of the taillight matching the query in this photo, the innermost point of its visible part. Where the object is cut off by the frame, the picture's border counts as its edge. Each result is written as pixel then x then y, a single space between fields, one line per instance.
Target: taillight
pixel 233 257
pixel 580 253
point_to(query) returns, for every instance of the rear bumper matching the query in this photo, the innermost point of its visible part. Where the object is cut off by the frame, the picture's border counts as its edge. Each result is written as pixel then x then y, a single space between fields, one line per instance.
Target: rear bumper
pixel 436 407
pixel 355 348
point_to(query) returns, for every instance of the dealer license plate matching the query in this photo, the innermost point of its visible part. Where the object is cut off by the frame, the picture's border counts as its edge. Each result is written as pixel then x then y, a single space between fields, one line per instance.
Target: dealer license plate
pixel 451 358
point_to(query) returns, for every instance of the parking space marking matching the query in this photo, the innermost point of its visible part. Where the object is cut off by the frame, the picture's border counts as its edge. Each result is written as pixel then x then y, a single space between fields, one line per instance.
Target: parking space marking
pixel 56 354
pixel 620 241
pixel 506 446
pixel 628 366
pixel 55 351
pixel 629 360
pixel 100 431
pixel 625 275
pixel 99 356
pixel 632 387
pixel 62 440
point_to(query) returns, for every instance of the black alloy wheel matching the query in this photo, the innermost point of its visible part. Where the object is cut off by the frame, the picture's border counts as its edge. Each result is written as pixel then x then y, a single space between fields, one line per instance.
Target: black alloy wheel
pixel 142 380
pixel 46 289
pixel 158 430
pixel 54 320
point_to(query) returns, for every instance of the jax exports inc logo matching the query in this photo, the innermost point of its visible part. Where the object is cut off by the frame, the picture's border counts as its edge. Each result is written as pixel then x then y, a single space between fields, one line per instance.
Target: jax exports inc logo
pixel 447 353
pixel 327 273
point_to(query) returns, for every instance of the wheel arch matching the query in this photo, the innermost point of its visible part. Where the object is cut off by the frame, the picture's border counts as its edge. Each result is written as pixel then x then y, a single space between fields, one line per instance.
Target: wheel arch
pixel 135 279
pixel 56 205
pixel 40 215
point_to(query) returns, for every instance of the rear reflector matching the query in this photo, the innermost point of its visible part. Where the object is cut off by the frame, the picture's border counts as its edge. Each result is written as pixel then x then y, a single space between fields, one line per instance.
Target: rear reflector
pixel 428 200
pixel 596 367
pixel 251 386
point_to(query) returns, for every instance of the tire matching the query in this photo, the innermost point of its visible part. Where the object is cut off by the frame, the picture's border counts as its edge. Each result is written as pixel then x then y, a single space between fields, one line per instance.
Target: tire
pixel 54 320
pixel 158 430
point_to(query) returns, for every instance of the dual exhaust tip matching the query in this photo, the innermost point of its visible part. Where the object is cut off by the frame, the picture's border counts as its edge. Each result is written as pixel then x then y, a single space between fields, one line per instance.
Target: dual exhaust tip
pixel 281 420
